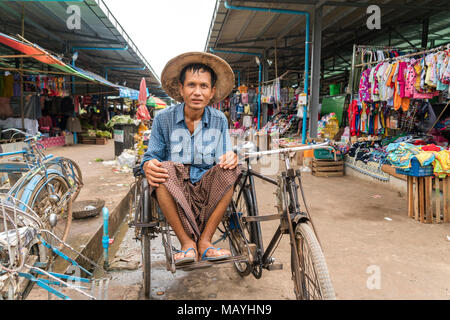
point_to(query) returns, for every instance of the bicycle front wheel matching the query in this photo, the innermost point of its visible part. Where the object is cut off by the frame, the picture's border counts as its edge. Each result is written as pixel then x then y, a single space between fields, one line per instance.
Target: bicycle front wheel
pixel 314 282
pixel 43 202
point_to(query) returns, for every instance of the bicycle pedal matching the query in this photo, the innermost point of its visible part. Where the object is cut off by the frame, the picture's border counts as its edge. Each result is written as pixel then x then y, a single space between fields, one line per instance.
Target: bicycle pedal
pixel 275 266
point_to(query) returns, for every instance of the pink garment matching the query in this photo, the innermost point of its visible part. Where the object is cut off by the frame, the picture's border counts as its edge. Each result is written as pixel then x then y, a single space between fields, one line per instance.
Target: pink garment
pixel 401 79
pixel 364 86
pixel 418 95
pixel 244 98
pixel 375 87
pixel 410 81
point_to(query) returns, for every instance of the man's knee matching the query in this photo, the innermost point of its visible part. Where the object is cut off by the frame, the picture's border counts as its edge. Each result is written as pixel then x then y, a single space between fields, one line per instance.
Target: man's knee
pixel 167 164
pixel 161 191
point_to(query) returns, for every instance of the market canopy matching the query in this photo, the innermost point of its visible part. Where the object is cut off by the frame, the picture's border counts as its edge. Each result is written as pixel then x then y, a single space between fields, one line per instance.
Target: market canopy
pixel 102 44
pixel 36 52
pixel 156 103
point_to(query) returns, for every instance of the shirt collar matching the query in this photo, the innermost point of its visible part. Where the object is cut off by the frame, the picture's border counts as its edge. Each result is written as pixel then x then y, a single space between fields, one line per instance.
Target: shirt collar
pixel 179 115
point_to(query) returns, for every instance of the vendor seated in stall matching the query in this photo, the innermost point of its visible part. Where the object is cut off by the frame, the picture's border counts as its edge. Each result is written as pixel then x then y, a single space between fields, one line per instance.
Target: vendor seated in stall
pixel 189 162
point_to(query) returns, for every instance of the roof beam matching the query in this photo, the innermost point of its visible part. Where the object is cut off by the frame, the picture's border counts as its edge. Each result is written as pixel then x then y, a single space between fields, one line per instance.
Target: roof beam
pixel 354 4
pixel 28 21
pixel 245 26
pixel 268 24
pixel 258 40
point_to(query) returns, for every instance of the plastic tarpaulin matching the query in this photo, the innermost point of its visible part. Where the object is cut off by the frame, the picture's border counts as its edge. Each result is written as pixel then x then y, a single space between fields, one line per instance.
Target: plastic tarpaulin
pixel 40 54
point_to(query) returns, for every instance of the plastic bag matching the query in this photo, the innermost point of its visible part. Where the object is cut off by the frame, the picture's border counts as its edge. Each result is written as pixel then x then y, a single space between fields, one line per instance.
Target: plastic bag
pixel 126 159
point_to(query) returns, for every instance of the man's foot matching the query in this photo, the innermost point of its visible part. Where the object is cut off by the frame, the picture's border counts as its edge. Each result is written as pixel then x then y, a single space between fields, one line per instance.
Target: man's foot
pixel 188 253
pixel 208 252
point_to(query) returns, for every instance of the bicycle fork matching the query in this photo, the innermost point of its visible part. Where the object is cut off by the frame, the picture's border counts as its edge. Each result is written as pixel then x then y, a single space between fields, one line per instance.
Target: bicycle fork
pixel 292 217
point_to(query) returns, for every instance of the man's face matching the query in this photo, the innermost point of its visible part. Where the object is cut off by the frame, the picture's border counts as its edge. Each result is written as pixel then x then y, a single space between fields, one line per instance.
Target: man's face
pixel 197 91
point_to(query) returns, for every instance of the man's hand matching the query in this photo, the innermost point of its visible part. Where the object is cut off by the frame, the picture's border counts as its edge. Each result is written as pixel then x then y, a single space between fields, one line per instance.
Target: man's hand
pixel 154 173
pixel 228 160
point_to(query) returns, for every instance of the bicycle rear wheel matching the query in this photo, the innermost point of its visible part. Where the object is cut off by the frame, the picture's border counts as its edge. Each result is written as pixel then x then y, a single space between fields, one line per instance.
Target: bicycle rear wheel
pixel 312 274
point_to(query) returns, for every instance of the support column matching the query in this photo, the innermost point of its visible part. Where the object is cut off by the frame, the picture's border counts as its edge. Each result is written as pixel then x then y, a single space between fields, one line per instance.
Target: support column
pixel 22 93
pixel 315 71
pixel 425 28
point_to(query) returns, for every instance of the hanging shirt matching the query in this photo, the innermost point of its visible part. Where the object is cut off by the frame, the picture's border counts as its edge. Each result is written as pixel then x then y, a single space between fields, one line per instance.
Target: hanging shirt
pixel 170 139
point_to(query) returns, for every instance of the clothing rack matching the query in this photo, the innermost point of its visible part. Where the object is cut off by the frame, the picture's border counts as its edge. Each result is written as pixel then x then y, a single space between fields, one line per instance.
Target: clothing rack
pixel 357 47
pixel 440 48
pixel 282 76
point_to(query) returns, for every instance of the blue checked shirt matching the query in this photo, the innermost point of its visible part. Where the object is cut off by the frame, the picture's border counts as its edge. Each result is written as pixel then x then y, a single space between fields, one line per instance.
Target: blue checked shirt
pixel 170 139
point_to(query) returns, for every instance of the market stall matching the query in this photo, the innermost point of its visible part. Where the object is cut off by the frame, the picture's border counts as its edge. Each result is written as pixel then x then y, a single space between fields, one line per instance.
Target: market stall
pixel 397 122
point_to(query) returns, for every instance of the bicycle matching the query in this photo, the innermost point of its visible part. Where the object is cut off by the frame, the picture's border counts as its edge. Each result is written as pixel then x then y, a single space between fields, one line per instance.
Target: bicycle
pixel 47 184
pixel 243 230
pixel 241 225
pixel 24 257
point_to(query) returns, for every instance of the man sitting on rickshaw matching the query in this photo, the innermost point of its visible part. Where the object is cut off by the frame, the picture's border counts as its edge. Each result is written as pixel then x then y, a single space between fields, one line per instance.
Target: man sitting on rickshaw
pixel 189 163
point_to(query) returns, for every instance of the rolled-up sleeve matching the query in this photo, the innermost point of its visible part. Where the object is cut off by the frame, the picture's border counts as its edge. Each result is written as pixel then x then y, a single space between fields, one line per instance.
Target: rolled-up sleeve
pixel 224 144
pixel 156 144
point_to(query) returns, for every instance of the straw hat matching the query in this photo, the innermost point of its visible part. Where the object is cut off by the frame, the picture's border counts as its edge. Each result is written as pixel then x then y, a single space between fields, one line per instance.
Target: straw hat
pixel 170 76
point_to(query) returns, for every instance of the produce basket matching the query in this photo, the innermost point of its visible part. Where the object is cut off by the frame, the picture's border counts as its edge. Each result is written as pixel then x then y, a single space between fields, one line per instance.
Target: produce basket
pixel 326 154
pixel 87 208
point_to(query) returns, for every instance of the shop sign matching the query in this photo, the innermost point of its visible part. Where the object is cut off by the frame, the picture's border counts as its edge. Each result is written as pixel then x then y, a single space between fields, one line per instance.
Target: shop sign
pixel 302 99
pixel 118 135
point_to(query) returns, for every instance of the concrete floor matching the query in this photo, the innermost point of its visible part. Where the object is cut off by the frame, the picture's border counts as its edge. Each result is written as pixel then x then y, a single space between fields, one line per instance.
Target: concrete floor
pixel 369 257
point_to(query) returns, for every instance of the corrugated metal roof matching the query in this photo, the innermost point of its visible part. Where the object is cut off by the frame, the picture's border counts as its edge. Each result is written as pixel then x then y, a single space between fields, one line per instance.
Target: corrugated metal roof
pixel 46 25
pixel 343 24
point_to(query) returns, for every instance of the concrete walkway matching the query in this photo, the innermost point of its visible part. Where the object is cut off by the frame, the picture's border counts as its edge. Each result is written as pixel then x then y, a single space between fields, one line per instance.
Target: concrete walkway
pixel 369 257
pixel 101 182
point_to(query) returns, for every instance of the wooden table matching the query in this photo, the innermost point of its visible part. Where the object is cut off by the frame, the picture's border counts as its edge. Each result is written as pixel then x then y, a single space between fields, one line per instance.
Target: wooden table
pixel 420 197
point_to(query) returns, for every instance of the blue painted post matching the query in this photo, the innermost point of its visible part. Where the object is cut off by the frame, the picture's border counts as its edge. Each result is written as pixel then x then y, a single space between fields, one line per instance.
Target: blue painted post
pixel 307 43
pixel 259 95
pixel 73 93
pixel 105 240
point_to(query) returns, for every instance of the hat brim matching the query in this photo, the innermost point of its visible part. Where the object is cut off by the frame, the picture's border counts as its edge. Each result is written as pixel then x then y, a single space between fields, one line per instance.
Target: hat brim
pixel 170 76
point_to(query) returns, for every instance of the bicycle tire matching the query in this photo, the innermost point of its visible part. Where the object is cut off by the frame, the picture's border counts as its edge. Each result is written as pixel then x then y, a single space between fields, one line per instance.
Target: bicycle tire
pixel 315 283
pixel 144 215
pixel 62 165
pixel 146 263
pixel 36 204
pixel 79 178
pixel 243 268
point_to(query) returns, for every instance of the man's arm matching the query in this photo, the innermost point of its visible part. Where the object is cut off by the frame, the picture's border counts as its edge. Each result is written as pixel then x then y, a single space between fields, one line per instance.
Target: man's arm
pixel 156 144
pixel 225 156
pixel 155 154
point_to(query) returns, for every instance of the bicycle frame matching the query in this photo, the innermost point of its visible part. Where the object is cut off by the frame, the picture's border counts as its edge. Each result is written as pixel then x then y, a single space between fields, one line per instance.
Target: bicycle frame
pixel 291 213
pixel 37 167
pixel 264 256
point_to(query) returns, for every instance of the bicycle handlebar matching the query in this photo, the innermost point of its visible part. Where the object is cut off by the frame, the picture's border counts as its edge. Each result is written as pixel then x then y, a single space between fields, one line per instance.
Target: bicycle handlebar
pixel 286 150
pixel 28 136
